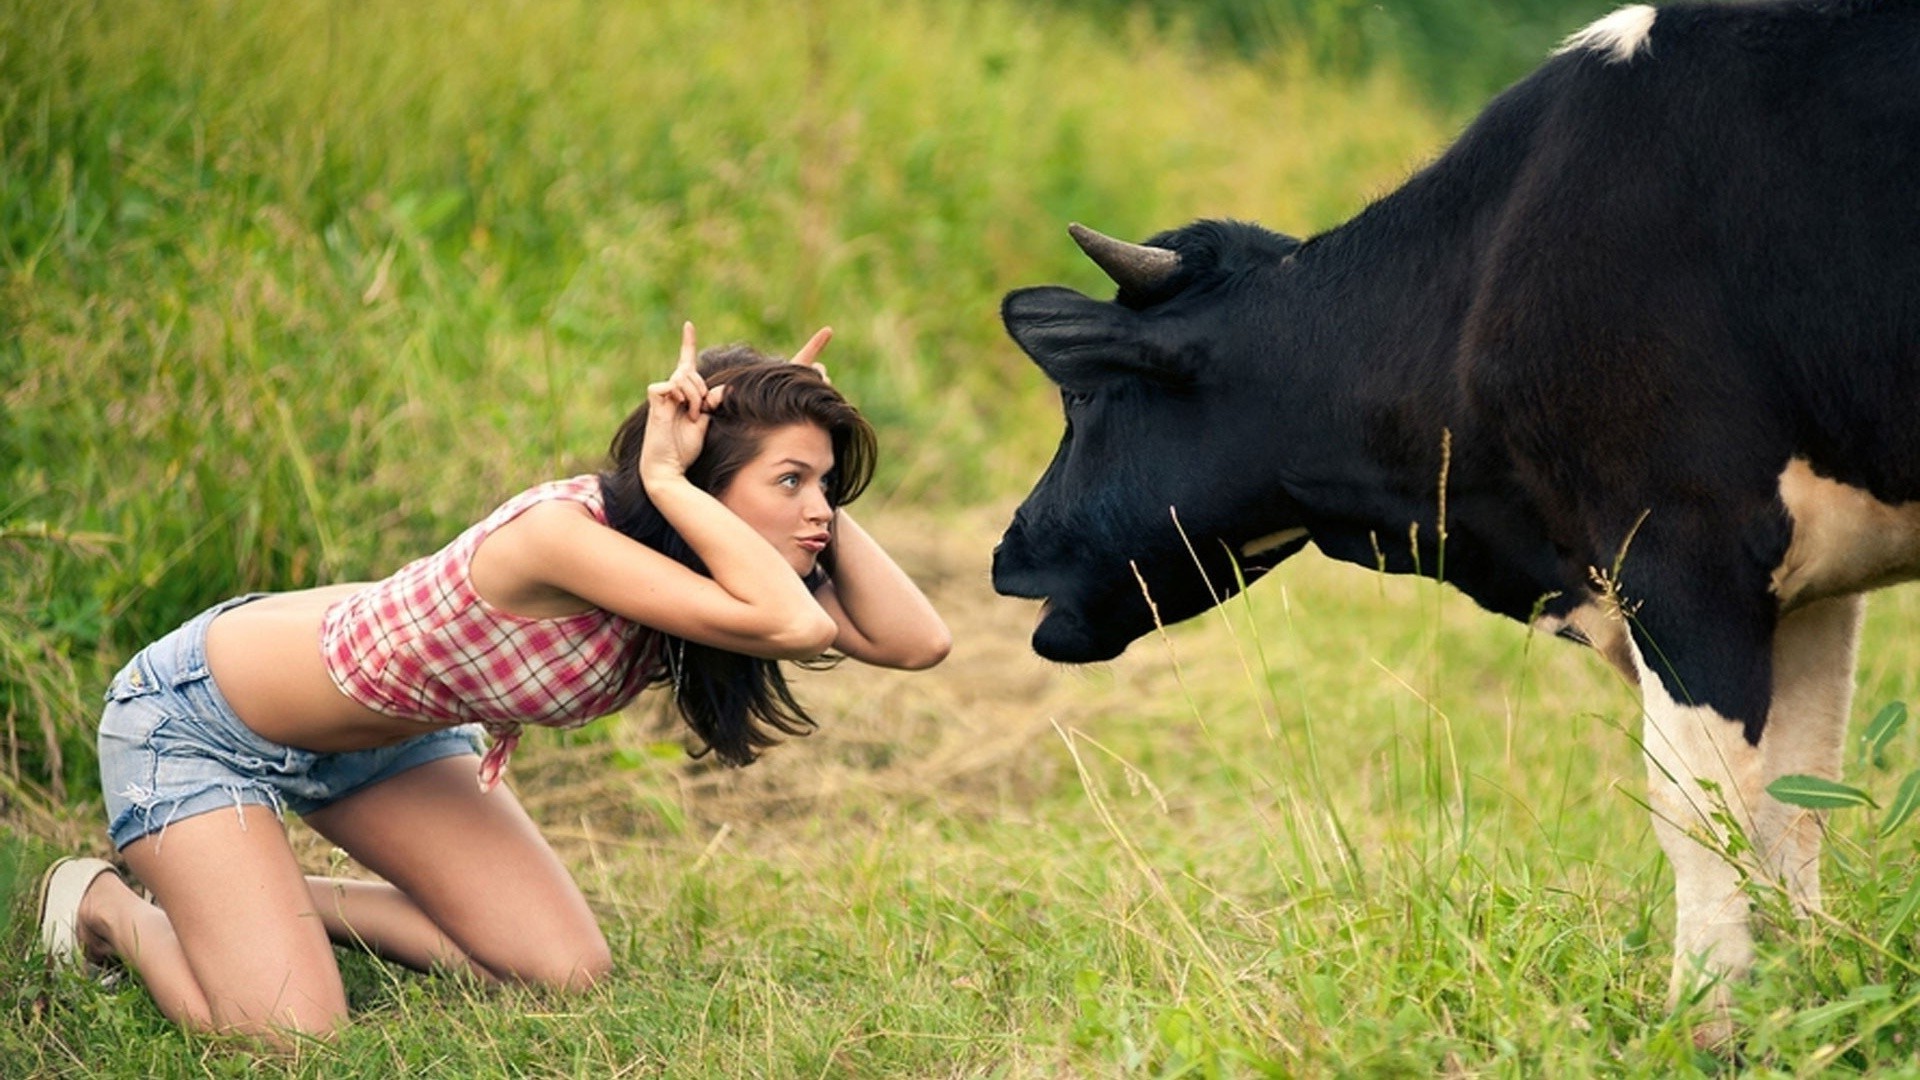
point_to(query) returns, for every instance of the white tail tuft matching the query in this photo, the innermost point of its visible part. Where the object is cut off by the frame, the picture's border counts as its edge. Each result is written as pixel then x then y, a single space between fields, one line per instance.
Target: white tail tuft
pixel 1620 35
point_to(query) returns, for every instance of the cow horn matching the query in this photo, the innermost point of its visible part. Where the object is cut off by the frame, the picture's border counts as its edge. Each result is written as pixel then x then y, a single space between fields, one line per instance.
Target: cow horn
pixel 1131 266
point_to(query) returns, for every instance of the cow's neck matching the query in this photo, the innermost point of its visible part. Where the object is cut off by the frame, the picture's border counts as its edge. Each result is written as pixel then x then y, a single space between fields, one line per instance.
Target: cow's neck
pixel 1383 301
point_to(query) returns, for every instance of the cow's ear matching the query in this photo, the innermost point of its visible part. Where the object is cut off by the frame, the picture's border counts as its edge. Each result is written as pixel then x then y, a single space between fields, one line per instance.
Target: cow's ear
pixel 1081 342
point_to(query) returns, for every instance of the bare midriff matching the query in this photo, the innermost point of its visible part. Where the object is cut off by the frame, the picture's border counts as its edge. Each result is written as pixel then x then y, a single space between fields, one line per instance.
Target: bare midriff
pixel 265 657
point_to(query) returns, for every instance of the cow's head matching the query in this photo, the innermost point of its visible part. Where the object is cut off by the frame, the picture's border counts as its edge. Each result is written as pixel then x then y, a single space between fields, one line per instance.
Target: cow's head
pixel 1164 495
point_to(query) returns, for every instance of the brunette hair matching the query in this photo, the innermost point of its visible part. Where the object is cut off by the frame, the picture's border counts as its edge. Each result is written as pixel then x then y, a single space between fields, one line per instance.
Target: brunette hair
pixel 735 703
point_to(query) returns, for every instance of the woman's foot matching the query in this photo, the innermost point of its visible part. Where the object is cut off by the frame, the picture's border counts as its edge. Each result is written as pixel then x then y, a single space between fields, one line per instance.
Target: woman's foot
pixel 65 914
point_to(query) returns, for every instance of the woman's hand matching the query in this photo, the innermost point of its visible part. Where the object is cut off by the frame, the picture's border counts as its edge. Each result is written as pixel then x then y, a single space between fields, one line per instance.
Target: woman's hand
pixel 677 415
pixel 880 616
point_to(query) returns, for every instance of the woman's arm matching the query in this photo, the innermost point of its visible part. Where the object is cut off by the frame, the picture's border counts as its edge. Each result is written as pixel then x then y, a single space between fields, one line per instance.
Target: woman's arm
pixel 755 610
pixel 883 617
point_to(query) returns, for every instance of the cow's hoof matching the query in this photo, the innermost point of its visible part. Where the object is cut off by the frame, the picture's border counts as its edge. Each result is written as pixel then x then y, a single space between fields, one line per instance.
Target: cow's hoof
pixel 1714 1034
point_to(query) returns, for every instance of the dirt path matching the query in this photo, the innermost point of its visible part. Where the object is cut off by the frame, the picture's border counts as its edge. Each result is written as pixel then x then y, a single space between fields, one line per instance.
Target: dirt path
pixel 971 733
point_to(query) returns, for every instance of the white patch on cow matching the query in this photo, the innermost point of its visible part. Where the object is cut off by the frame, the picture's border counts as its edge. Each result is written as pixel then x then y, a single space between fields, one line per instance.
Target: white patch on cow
pixel 1269 542
pixel 1703 779
pixel 1701 775
pixel 1844 540
pixel 1619 36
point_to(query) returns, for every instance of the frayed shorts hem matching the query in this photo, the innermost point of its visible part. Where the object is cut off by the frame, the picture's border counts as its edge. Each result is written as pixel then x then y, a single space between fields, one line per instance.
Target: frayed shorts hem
pixel 143 817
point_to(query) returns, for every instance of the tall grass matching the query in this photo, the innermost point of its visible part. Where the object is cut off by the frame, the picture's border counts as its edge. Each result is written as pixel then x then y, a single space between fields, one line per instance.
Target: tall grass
pixel 1456 51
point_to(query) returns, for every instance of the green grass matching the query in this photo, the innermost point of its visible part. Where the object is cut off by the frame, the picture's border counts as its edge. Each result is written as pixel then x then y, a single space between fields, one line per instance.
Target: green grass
pixel 290 292
pixel 1407 843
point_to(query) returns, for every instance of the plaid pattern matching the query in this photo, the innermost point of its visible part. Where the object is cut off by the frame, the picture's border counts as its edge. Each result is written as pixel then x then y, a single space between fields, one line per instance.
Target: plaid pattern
pixel 423 645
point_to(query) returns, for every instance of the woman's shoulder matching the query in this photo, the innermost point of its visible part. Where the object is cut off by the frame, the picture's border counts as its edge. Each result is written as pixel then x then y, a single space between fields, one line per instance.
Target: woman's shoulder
pixel 529 549
pixel 583 490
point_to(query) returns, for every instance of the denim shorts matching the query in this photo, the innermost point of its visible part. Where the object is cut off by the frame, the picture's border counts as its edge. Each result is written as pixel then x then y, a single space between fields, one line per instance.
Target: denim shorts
pixel 171 747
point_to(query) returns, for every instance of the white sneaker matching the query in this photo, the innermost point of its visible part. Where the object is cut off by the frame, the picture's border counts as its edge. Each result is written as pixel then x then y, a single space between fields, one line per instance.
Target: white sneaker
pixel 65 882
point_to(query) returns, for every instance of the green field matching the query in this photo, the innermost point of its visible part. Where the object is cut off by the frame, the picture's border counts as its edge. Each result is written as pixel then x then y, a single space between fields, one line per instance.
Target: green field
pixel 293 291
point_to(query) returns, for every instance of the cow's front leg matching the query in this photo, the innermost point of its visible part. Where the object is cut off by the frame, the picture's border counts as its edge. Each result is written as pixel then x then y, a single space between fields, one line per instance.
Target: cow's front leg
pixel 1703 778
pixel 1813 663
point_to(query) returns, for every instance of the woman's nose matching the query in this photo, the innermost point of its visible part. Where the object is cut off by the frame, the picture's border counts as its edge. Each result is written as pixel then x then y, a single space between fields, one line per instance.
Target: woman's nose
pixel 819 508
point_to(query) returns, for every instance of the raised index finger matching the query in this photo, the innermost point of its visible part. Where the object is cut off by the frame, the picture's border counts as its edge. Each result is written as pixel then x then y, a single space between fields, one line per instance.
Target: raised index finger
pixel 689 356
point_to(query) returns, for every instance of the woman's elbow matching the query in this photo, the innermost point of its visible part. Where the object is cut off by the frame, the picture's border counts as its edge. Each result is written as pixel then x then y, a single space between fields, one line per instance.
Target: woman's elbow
pixel 804 637
pixel 929 650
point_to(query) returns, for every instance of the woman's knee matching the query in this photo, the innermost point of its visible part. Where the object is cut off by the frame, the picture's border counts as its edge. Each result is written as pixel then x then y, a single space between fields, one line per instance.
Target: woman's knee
pixel 572 965
pixel 589 969
pixel 279 1022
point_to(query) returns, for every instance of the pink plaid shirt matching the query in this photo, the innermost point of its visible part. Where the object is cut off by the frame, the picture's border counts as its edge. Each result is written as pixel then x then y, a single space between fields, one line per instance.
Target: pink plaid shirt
pixel 422 645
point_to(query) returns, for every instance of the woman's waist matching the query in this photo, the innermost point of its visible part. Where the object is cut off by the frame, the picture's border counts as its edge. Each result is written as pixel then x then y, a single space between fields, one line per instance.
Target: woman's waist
pixel 266 659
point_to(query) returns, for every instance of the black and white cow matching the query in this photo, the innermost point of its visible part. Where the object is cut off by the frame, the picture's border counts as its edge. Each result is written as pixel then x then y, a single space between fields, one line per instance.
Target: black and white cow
pixel 1653 322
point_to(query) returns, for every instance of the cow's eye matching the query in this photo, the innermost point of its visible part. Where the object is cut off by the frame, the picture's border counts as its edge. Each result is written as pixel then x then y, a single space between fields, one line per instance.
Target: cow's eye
pixel 1073 399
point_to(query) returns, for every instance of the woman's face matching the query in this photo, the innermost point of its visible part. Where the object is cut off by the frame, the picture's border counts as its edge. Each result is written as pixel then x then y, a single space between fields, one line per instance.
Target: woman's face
pixel 782 493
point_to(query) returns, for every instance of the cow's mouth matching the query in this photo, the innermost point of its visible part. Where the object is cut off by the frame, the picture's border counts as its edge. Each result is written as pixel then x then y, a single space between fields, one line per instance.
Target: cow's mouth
pixel 1061 629
pixel 1065 633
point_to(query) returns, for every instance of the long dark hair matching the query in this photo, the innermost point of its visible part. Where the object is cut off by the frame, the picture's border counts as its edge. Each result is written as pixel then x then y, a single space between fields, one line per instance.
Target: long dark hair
pixel 735 703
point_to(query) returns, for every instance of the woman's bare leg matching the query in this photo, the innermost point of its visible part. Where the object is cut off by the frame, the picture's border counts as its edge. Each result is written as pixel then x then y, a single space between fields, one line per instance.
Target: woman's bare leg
pixel 474 865
pixel 116 922
pixel 369 915
pixel 236 944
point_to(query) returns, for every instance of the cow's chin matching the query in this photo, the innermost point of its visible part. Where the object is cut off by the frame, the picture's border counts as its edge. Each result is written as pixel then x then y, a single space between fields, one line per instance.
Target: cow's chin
pixel 1065 635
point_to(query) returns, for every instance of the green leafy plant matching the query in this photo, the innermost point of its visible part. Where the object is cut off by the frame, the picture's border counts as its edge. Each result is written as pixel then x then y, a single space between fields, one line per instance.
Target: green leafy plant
pixel 1819 793
pixel 1855 982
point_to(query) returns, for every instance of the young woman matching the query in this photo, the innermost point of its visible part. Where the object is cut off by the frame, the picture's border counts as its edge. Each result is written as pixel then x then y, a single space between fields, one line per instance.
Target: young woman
pixel 715 545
